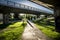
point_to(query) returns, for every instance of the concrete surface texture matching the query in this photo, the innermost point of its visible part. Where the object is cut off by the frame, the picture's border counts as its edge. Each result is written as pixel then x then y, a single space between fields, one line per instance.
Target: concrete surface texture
pixel 33 33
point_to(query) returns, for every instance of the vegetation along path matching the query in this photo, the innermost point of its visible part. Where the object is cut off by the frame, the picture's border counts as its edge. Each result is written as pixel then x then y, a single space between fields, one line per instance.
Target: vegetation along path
pixel 33 33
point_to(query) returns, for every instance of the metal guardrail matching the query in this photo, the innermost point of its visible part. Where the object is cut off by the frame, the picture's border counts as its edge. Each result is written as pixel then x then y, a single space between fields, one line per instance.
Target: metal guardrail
pixel 17 5
pixel 29 23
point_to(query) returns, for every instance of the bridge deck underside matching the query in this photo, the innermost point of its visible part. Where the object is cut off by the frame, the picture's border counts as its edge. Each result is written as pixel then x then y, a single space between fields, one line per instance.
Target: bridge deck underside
pixel 5 9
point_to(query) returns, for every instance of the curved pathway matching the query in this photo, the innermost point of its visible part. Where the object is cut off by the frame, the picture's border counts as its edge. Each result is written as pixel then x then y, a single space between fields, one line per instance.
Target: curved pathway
pixel 33 33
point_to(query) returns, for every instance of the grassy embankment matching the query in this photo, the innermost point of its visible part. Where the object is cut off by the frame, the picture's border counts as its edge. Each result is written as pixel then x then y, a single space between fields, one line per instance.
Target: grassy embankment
pixel 48 30
pixel 13 31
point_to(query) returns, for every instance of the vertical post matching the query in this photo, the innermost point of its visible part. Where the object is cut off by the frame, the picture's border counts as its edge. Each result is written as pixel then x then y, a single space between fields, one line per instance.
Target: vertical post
pixel 5 18
pixel 57 18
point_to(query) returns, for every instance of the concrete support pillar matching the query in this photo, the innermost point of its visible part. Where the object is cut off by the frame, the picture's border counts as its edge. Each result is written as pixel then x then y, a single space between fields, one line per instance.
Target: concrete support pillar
pixel 5 18
pixel 57 18
pixel 30 18
pixel 46 16
pixel 16 16
pixel 38 16
pixel 35 17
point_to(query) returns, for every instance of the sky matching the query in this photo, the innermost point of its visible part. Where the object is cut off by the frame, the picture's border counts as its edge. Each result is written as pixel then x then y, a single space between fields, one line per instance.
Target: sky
pixel 26 2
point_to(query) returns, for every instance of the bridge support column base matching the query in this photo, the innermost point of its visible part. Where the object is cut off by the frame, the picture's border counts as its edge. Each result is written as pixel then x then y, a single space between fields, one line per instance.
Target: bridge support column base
pixel 5 18
pixel 57 18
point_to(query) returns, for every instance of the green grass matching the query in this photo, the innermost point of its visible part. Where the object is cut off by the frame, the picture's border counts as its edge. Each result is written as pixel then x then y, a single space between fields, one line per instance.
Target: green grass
pixel 13 31
pixel 49 31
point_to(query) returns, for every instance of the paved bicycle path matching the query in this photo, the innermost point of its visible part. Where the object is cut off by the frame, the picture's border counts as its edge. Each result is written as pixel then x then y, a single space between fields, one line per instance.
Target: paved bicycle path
pixel 33 33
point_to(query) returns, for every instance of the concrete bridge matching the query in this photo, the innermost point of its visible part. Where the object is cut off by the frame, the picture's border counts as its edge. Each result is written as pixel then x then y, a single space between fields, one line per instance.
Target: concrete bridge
pixel 7 7
pixel 10 6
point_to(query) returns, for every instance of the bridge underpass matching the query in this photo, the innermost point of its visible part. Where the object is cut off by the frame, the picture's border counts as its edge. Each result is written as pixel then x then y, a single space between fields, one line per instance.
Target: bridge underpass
pixel 7 7
pixel 5 10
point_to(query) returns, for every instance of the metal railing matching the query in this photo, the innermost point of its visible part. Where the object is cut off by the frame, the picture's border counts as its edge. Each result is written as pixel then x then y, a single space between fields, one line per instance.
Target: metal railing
pixel 17 5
